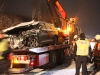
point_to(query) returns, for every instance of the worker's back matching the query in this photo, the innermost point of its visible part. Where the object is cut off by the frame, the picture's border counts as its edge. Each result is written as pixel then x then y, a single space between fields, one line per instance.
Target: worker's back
pixel 4 52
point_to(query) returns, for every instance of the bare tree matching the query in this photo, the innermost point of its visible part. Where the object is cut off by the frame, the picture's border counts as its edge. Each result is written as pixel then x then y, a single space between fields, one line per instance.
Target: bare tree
pixel 2 5
pixel 9 20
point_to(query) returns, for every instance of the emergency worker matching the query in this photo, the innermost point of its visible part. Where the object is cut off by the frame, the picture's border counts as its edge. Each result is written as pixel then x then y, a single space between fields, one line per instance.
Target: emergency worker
pixel 82 51
pixel 73 44
pixel 4 52
pixel 75 39
pixel 96 53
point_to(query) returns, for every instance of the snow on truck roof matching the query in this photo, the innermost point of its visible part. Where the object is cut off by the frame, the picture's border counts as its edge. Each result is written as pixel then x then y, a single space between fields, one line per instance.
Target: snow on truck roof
pixel 21 25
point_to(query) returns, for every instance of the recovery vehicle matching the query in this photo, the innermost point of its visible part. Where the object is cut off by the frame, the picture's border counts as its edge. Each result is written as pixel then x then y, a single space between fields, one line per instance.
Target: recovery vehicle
pixel 67 25
pixel 30 58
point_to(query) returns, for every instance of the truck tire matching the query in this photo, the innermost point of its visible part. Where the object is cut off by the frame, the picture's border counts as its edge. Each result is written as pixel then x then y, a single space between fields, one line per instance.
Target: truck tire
pixel 61 56
pixel 53 59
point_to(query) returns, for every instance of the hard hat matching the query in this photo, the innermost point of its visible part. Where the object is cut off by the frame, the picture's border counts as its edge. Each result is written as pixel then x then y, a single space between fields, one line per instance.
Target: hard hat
pixel 97 37
pixel 75 36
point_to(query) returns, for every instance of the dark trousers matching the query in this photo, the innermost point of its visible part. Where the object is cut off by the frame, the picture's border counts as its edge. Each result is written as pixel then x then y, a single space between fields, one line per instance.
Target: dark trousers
pixel 4 65
pixel 97 62
pixel 81 60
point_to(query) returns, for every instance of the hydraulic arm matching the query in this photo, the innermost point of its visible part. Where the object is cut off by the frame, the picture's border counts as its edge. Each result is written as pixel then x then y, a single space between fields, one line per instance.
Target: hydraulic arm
pixel 56 9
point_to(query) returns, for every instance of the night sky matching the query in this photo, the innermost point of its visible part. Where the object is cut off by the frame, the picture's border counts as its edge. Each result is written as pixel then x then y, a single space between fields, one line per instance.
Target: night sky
pixel 87 12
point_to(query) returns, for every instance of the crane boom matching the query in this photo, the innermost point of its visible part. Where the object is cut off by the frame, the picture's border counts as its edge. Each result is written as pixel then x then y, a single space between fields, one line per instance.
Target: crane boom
pixel 62 13
pixel 56 9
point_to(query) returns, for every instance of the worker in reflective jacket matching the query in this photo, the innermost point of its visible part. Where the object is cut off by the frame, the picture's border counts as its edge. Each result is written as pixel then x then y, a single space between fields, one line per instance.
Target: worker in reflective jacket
pixel 4 52
pixel 73 44
pixel 96 53
pixel 82 51
pixel 75 39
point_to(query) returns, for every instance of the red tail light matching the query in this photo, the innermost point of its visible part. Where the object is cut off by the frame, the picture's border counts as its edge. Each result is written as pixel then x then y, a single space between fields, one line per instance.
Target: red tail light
pixel 10 56
pixel 23 58
pixel 31 62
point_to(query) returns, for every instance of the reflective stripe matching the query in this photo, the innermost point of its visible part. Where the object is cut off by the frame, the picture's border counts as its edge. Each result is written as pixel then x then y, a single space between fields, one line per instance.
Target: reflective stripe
pixel 82 47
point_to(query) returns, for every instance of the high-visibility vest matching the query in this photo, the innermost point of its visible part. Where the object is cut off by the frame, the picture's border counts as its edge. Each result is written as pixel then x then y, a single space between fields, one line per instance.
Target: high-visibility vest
pixel 96 51
pixel 82 47
pixel 3 47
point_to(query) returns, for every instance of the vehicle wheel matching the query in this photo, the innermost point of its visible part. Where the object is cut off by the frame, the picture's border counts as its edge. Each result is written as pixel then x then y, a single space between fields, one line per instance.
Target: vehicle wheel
pixel 55 40
pixel 53 59
pixel 61 56
pixel 33 42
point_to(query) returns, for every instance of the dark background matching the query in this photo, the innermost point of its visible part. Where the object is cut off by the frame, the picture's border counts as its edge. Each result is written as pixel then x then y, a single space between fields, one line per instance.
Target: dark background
pixel 87 12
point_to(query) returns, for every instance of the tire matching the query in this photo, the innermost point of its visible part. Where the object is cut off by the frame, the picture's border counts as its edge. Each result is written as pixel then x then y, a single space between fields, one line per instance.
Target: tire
pixel 33 42
pixel 53 59
pixel 61 56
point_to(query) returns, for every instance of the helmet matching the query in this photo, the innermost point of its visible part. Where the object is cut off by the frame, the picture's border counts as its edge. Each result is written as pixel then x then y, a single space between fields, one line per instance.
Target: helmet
pixel 75 36
pixel 97 37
